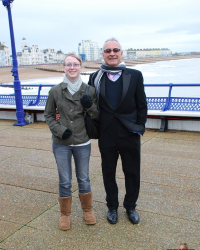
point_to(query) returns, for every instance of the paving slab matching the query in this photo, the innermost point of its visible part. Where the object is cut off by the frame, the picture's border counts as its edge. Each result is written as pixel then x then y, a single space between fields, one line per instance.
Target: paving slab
pixel 186 176
pixel 21 205
pixel 29 177
pixel 36 177
pixel 26 142
pixel 6 123
pixel 170 148
pixel 50 219
pixel 7 152
pixel 167 165
pixel 31 157
pixel 8 228
pixel 171 179
pixel 190 148
pixel 156 198
pixel 168 203
pixel 95 148
pixel 184 135
pixel 153 232
pixel 27 131
pixel 180 159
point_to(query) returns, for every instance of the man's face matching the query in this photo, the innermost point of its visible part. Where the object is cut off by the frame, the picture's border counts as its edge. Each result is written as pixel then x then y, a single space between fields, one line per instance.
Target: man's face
pixel 182 247
pixel 72 68
pixel 113 58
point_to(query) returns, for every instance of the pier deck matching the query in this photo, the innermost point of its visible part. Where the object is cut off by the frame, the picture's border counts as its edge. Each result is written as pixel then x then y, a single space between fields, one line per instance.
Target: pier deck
pixel 168 204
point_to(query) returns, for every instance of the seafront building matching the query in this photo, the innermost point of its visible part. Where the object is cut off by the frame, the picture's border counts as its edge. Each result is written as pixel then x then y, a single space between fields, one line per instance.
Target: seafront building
pixel 139 53
pixel 88 50
pixel 33 55
pixel 30 55
pixel 4 55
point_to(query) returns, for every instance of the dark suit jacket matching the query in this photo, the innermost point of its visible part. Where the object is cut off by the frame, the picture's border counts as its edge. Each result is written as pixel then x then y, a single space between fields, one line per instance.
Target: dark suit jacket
pixel 131 113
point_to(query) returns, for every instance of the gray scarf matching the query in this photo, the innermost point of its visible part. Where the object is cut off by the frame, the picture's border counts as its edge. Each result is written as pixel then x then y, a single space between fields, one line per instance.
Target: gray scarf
pixel 73 87
pixel 106 69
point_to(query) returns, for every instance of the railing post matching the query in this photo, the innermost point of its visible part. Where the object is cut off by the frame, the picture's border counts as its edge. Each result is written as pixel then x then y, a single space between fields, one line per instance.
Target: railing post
pixel 17 85
pixel 168 101
pixel 38 97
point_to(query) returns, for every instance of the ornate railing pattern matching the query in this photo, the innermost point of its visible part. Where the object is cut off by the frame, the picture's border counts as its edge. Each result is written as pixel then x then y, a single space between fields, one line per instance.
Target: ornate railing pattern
pixel 154 103
pixel 28 100
pixel 185 104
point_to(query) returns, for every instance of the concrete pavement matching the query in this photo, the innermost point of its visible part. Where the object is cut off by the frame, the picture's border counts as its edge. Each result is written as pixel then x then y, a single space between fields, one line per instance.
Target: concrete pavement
pixel 168 204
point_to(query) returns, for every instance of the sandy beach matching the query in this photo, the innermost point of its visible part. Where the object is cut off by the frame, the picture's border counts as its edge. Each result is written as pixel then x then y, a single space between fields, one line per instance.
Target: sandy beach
pixel 54 70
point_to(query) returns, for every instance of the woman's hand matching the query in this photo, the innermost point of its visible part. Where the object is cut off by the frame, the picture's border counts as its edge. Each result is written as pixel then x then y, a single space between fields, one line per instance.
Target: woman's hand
pixel 66 134
pixel 86 102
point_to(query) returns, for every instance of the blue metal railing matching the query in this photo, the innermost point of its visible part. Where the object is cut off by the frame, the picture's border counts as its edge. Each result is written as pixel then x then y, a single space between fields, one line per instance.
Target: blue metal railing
pixel 173 103
pixel 154 103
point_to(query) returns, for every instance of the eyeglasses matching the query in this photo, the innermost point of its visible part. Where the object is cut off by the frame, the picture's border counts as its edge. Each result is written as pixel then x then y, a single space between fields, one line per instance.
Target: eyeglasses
pixel 75 65
pixel 115 50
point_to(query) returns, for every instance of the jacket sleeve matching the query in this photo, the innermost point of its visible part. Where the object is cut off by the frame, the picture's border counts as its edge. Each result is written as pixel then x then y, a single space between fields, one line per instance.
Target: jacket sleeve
pixel 92 77
pixel 92 111
pixel 141 102
pixel 50 116
pixel 90 80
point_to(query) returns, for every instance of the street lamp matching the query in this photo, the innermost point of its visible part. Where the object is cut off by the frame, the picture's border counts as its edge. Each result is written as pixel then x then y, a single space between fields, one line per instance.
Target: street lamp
pixel 17 86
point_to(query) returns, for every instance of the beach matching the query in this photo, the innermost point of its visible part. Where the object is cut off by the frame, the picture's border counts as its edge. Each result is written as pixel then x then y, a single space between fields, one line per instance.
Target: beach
pixel 56 70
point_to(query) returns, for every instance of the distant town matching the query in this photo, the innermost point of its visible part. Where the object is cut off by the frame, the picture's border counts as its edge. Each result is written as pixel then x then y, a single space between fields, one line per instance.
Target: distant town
pixel 88 50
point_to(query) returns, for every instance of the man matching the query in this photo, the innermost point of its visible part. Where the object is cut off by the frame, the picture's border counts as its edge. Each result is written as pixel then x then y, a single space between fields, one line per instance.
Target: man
pixel 183 246
pixel 122 116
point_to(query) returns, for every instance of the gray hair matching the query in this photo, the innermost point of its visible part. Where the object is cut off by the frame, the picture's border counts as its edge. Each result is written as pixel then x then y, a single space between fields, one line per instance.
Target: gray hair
pixel 112 39
pixel 184 244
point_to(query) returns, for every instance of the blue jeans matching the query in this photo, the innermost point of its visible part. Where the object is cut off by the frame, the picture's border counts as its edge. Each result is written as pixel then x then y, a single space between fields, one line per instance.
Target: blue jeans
pixel 63 155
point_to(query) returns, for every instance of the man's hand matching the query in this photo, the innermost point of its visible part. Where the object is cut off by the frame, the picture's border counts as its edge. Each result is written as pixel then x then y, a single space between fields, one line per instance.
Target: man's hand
pixel 57 115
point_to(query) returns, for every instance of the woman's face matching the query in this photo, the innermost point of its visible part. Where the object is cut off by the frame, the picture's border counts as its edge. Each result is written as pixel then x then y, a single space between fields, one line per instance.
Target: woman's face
pixel 72 68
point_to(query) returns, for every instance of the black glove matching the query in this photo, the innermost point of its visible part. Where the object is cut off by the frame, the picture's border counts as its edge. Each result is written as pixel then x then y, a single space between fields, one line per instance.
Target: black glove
pixel 86 102
pixel 66 134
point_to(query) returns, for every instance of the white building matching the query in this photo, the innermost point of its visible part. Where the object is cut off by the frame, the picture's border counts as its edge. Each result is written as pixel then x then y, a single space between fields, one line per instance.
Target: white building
pixel 88 50
pixel 34 56
pixel 2 58
pixel 131 54
pixel 60 56
pixel 30 55
pixel 50 56
pixel 140 53
pixel 166 52
pixel 4 55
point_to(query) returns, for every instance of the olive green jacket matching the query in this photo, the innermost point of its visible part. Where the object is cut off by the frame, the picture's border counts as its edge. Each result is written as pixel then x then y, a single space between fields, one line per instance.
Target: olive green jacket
pixel 71 113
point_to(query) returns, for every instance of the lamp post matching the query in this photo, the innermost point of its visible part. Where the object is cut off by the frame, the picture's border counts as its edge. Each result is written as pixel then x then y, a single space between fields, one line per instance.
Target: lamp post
pixel 17 86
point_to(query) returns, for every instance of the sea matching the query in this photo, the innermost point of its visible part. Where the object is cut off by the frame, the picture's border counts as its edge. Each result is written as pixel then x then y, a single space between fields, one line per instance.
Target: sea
pixel 163 72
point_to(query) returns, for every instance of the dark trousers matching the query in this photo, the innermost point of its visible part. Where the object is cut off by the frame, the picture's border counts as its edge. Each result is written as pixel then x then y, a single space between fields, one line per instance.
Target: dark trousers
pixel 129 150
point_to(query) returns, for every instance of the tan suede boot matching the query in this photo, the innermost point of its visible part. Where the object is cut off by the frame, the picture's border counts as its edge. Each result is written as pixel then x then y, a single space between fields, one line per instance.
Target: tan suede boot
pixel 65 211
pixel 86 204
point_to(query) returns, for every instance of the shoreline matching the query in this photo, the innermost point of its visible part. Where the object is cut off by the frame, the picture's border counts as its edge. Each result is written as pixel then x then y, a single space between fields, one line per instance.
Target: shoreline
pixel 55 70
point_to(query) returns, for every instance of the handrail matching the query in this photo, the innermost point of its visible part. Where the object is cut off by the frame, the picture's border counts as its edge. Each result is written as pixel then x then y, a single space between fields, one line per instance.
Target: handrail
pixel 170 85
pixel 165 104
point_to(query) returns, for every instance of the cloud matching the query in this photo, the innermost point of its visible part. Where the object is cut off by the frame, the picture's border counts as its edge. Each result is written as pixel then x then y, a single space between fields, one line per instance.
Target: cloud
pixel 62 24
pixel 187 28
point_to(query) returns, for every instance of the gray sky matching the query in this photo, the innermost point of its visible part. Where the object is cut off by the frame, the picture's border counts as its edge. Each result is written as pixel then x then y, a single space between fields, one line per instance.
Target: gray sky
pixel 62 24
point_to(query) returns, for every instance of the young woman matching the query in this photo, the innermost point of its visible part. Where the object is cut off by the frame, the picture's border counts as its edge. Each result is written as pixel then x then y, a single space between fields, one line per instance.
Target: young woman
pixel 70 137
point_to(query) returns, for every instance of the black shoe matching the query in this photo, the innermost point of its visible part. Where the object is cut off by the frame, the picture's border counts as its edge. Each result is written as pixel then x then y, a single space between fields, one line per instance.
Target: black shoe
pixel 133 216
pixel 112 216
